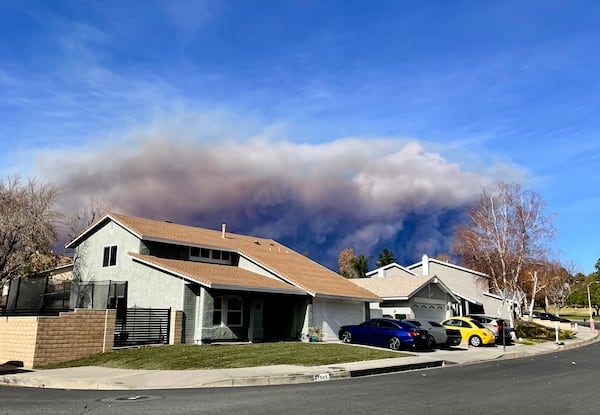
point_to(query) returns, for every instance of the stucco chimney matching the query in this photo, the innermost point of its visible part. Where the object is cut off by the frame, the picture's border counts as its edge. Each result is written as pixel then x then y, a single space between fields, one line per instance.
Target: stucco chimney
pixel 425 262
pixel 223 230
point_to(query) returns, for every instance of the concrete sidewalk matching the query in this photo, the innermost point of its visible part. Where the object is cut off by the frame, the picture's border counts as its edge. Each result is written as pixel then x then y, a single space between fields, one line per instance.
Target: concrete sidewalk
pixel 101 378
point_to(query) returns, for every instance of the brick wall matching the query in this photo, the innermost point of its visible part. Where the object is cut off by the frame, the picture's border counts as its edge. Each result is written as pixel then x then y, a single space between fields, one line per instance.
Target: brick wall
pixel 176 332
pixel 42 340
pixel 38 341
pixel 17 339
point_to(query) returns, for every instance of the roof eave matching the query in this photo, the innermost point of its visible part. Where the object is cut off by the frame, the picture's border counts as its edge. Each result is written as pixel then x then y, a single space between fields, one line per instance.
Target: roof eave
pixel 348 298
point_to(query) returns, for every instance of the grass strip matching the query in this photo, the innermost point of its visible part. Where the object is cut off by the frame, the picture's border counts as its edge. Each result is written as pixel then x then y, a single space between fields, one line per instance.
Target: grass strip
pixel 223 356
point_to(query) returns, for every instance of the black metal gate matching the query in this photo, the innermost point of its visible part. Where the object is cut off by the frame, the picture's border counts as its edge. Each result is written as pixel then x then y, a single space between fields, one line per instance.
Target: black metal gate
pixel 142 326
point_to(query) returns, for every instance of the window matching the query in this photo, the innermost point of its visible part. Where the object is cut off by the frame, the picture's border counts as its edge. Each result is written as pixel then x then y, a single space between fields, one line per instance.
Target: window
pixel 227 311
pixel 110 256
pixel 214 256
pixel 234 311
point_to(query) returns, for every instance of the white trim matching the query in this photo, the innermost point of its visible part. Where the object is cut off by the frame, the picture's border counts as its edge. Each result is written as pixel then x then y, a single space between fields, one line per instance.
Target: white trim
pixel 449 264
pixel 224 311
pixel 388 266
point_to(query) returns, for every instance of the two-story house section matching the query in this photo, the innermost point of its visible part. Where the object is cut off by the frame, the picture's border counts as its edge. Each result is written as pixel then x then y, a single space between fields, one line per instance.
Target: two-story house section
pixel 229 286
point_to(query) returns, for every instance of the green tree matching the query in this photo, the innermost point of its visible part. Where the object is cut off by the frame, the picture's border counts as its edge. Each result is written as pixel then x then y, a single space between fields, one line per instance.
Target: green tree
pixel 361 265
pixel 579 296
pixel 385 257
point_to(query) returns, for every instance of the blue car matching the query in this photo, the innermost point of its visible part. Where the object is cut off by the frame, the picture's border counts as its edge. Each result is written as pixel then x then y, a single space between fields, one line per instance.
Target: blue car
pixel 395 334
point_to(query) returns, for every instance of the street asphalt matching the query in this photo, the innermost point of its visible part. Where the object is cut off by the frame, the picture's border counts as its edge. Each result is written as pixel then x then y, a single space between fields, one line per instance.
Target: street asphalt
pixel 100 378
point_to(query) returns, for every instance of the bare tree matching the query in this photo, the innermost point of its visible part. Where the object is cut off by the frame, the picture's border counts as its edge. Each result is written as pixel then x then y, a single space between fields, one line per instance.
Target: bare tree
pixel 559 285
pixel 28 223
pixel 506 229
pixel 535 282
pixel 84 215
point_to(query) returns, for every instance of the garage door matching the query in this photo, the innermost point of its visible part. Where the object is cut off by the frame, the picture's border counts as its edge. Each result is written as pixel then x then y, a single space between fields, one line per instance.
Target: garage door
pixel 330 315
pixel 432 312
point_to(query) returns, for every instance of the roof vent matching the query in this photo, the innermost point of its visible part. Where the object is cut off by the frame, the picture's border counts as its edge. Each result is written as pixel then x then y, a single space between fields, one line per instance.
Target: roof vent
pixel 223 230
pixel 256 242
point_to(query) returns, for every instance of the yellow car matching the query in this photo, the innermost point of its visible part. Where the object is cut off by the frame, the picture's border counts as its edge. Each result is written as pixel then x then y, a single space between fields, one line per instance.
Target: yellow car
pixel 473 331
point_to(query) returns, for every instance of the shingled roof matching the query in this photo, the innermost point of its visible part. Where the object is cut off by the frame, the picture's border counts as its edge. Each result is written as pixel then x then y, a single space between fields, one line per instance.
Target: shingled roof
pixel 397 287
pixel 295 270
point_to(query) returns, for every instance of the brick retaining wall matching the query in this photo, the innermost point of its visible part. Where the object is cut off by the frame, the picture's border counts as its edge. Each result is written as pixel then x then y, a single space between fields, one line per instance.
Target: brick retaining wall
pixel 17 339
pixel 40 340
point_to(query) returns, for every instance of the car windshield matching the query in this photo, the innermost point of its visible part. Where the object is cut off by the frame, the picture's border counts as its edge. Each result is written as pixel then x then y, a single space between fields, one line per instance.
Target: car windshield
pixel 435 324
pixel 416 323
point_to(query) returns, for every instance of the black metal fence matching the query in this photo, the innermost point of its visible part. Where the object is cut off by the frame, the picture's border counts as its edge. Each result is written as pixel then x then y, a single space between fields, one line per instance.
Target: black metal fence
pixel 39 295
pixel 143 326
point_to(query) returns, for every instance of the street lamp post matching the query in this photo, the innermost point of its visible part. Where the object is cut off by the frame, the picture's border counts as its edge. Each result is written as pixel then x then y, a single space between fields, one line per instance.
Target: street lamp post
pixel 592 326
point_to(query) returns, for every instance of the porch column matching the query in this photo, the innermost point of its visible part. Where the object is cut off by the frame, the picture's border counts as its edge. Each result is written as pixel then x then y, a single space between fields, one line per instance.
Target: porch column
pixel 255 325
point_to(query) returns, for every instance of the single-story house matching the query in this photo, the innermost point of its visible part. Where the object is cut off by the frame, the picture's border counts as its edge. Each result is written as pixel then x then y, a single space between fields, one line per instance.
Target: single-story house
pixel 230 287
pixel 432 290
pixel 473 288
pixel 408 295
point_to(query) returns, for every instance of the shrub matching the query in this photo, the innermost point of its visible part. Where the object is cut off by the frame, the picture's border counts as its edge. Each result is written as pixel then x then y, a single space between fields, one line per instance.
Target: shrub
pixel 531 330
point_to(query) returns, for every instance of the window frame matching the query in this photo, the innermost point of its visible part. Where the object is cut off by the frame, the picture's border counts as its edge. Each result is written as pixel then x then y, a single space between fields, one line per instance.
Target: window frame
pixel 226 312
pixel 109 255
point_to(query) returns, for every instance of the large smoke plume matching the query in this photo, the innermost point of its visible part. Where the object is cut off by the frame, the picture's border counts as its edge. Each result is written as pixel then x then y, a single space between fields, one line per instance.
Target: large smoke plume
pixel 364 194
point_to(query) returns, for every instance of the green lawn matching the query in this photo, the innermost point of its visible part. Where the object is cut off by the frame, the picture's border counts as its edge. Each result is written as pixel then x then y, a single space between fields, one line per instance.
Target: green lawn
pixel 572 313
pixel 188 356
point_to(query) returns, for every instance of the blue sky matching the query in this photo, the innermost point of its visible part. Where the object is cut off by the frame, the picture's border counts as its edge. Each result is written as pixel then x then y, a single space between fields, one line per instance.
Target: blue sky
pixel 322 124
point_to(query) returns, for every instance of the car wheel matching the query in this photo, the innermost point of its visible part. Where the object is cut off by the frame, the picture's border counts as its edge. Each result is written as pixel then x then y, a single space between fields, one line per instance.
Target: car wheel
pixel 475 341
pixel 347 337
pixel 394 343
pixel 430 341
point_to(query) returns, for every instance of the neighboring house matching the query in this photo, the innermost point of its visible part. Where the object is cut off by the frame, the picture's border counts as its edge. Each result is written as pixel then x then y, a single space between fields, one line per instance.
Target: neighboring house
pixel 471 287
pixel 230 287
pixel 407 295
pixel 432 290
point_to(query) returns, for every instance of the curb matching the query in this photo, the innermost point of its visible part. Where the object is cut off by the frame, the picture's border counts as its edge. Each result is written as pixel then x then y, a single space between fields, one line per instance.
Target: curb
pixel 311 375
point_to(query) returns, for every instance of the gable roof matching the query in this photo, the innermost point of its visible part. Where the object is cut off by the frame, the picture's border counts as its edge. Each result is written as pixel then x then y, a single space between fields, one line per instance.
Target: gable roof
pixel 288 265
pixel 390 266
pixel 217 276
pixel 398 287
pixel 449 265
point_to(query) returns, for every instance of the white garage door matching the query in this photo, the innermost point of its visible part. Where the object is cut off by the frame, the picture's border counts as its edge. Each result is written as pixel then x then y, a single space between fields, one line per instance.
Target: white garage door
pixel 432 312
pixel 330 315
